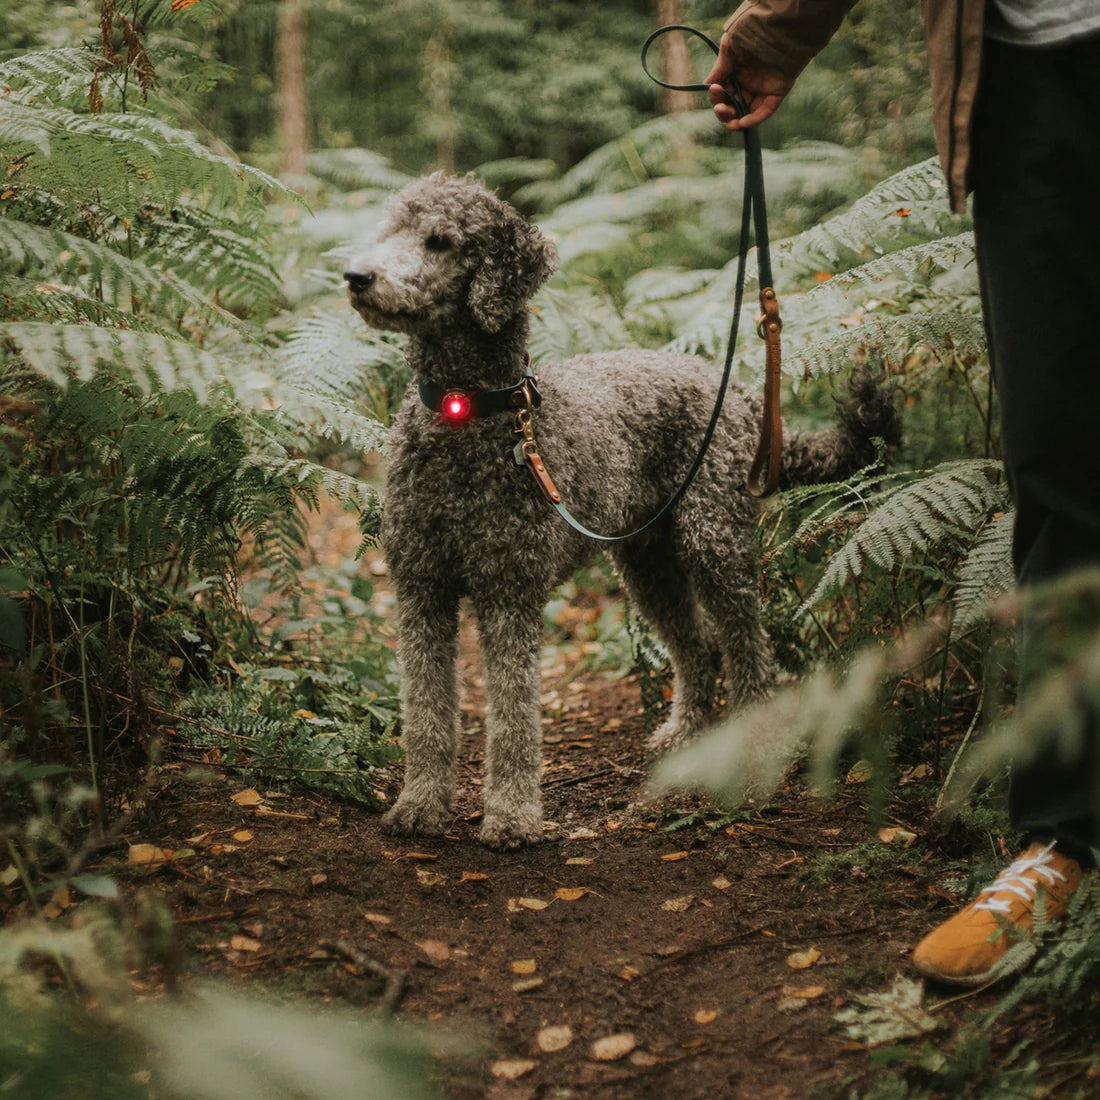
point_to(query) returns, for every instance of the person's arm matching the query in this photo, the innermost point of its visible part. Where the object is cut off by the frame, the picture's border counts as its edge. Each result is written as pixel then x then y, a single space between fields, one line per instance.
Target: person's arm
pixel 768 43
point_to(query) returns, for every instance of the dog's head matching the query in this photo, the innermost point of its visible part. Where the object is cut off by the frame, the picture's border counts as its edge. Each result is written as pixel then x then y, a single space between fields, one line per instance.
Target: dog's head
pixel 450 253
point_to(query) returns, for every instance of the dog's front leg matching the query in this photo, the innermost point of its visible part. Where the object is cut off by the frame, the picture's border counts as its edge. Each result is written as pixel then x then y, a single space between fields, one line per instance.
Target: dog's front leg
pixel 427 631
pixel 510 637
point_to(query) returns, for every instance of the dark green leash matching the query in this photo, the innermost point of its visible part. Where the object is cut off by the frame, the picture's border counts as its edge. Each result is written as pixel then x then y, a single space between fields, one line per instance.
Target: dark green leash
pixel 770 447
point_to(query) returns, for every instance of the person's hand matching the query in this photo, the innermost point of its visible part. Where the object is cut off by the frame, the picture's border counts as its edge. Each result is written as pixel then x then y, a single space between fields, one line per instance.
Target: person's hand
pixel 763 86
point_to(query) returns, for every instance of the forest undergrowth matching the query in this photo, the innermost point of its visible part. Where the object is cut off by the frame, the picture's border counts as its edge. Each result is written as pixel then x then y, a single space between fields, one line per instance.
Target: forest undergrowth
pixel 188 403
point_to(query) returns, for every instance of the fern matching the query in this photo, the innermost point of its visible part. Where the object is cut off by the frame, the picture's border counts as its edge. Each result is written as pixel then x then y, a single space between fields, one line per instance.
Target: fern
pixel 904 521
pixel 566 324
pixel 986 574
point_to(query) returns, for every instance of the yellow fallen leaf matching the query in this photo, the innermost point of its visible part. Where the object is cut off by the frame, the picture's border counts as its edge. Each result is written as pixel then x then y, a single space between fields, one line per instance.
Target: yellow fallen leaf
pixel 802 960
pixel 860 772
pixel 578 861
pixel 583 833
pixel 146 853
pixel 378 918
pixel 304 714
pixel 244 943
pixel 806 992
pixel 509 1069
pixel 319 878
pixel 629 973
pixel 523 966
pixel 791 1004
pixel 554 1038
pixel 570 893
pixel 706 1016
pixel 430 878
pixel 678 905
pixel 525 985
pixel 613 1047
pixel 674 857
pixel 248 797
pixel 611 724
pixel 425 857
pixel 896 835
pixel 243 835
pixel 8 875
pixel 473 876
pixel 721 883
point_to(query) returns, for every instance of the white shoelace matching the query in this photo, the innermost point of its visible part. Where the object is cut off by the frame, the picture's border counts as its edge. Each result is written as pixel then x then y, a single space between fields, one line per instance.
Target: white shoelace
pixel 1012 879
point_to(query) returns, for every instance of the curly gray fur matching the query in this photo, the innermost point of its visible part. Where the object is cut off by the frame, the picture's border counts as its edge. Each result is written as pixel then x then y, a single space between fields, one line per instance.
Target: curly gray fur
pixel 455 268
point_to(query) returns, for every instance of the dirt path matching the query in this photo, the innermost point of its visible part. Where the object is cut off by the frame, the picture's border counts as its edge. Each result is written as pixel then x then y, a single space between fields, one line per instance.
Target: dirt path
pixel 613 926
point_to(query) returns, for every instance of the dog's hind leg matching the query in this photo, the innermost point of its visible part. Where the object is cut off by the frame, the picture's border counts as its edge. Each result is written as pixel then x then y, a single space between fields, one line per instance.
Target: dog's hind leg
pixel 727 588
pixel 427 633
pixel 510 637
pixel 664 594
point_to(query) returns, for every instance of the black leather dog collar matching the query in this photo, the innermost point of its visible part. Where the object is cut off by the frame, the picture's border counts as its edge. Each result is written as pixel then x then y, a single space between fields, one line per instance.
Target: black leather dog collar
pixel 479 402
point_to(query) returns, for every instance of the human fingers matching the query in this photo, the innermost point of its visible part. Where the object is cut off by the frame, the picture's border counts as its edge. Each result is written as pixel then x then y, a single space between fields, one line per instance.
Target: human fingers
pixel 760 108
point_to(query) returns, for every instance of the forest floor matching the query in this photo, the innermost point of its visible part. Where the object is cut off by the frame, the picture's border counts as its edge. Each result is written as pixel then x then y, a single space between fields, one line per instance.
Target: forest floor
pixel 643 949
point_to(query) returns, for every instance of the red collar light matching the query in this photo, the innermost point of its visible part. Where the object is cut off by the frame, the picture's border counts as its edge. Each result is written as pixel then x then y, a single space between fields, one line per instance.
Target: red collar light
pixel 456 407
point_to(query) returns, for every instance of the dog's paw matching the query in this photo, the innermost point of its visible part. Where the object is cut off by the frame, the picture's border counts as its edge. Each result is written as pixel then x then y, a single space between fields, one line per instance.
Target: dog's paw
pixel 514 829
pixel 422 817
pixel 671 735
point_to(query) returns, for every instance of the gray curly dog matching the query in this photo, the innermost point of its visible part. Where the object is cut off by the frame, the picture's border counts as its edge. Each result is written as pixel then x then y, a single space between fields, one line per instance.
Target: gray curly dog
pixel 455 268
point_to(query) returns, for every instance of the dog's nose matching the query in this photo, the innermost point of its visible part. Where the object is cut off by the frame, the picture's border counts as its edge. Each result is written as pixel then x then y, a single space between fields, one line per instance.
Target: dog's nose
pixel 358 281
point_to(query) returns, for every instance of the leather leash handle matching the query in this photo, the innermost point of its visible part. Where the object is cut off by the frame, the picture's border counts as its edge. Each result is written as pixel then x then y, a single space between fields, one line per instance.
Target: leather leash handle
pixel 769 449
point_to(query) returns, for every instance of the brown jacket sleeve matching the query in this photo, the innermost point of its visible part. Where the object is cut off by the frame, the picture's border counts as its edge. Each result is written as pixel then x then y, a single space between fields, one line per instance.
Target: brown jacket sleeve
pixel 786 34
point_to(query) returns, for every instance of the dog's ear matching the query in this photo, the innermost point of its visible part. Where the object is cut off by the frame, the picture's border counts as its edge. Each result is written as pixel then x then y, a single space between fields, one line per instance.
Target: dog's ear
pixel 517 260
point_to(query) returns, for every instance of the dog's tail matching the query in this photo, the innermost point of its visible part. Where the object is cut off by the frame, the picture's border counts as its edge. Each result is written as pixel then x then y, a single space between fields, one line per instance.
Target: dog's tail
pixel 864 413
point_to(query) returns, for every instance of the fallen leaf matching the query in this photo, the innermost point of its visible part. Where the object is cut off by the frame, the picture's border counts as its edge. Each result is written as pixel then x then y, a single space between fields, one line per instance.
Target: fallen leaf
pixel 860 772
pixel 430 878
pixel 917 771
pixel 377 918
pixel 244 943
pixel 643 1059
pixel 806 992
pixel 570 893
pixel 146 853
pixel 248 797
pixel 304 714
pixel 523 966
pixel 895 835
pixel 678 905
pixel 721 883
pixel 525 985
pixel 533 904
pixel 803 960
pixel 58 903
pixel 629 973
pixel 888 1017
pixel 613 1047
pixel 473 876
pixel 318 878
pixel 583 833
pixel 611 724
pixel 436 950
pixel 578 861
pixel 201 838
pixel 425 857
pixel 509 1069
pixel 243 835
pixel 706 1016
pixel 8 875
pixel 674 857
pixel 554 1038
pixel 791 1004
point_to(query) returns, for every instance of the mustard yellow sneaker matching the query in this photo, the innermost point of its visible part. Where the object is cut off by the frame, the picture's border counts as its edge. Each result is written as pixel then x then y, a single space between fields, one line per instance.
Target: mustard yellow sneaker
pixel 961 952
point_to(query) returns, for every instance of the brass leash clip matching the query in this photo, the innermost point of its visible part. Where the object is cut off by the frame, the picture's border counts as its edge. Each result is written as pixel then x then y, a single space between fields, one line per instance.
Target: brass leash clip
pixel 526 452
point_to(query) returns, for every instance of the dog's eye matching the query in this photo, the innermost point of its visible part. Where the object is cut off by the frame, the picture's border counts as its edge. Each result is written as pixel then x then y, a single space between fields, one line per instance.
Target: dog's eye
pixel 435 243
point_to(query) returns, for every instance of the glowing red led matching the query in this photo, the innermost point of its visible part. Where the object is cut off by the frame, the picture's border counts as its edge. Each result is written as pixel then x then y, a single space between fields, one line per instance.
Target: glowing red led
pixel 456 407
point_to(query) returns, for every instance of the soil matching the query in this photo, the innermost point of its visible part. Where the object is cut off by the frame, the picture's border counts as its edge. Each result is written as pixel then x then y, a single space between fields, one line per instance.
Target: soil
pixel 684 940
pixel 717 949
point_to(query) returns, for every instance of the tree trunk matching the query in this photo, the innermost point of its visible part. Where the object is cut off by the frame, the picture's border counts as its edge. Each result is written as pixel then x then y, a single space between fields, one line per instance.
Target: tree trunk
pixel 290 79
pixel 438 69
pixel 676 60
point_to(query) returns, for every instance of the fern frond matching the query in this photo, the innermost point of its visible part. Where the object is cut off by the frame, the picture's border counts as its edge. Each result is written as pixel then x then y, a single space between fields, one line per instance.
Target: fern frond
pixel 955 496
pixel 34 250
pixel 60 353
pixel 356 169
pixel 574 323
pixel 987 573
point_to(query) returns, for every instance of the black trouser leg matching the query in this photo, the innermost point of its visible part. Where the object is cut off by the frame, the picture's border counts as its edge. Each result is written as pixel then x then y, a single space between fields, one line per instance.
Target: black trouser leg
pixel 1036 179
